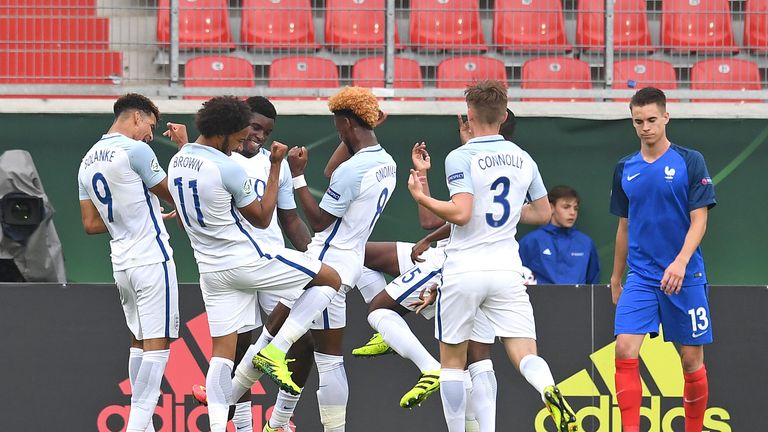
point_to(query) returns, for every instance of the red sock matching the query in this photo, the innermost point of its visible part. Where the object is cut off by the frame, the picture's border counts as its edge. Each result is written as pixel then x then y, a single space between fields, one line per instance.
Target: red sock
pixel 629 393
pixel 695 395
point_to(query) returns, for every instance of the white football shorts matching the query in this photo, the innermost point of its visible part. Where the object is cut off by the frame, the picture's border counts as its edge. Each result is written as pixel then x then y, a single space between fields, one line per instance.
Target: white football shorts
pixel 150 298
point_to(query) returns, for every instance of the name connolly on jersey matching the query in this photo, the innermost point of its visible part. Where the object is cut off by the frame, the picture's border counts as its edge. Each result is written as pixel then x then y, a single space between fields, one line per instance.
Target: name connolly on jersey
pixel 177 410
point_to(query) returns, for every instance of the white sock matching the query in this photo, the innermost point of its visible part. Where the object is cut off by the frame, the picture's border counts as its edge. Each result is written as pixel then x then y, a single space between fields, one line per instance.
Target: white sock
pixel 306 308
pixel 333 392
pixel 134 363
pixel 146 389
pixel 399 336
pixel 243 419
pixel 283 410
pixel 483 397
pixel 370 284
pixel 218 385
pixel 245 374
pixel 469 414
pixel 454 398
pixel 537 372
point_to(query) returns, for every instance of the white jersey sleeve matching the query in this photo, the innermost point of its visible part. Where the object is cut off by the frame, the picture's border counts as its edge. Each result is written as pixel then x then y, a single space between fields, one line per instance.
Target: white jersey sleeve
pixel 144 162
pixel 537 189
pixel 344 187
pixel 285 200
pixel 237 183
pixel 458 173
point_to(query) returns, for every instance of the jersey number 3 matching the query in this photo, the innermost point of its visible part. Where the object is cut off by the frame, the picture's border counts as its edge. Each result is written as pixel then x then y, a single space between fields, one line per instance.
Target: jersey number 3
pixel 195 198
pixel 500 198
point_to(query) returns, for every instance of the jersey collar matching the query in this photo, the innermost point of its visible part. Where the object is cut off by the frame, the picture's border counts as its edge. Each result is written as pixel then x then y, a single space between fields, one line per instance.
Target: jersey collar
pixel 485 139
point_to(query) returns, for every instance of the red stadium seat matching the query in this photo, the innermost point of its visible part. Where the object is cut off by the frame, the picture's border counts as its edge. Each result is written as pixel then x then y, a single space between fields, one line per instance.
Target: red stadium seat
pixel 60 67
pixel 203 24
pixel 356 24
pixel 630 26
pixel 756 25
pixel 459 72
pixel 639 73
pixel 529 25
pixel 278 24
pixel 54 33
pixel 446 25
pixel 369 72
pixel 218 71
pixel 556 73
pixel 48 7
pixel 697 25
pixel 725 74
pixel 302 72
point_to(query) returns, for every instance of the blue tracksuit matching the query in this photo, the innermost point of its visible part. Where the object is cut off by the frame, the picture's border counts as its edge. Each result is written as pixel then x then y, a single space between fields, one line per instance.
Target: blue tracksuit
pixel 560 256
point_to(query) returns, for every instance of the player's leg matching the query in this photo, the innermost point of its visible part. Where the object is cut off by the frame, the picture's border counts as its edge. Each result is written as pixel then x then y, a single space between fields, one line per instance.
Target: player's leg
pixel 686 321
pixel 509 311
pixel 240 413
pixel 383 257
pixel 156 296
pixel 453 357
pixel 482 398
pixel 637 314
pixel 231 305
pixel 370 284
pixel 333 391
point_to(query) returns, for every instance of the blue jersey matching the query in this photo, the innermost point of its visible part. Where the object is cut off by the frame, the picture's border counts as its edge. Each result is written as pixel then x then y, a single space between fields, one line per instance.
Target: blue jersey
pixel 657 199
pixel 559 255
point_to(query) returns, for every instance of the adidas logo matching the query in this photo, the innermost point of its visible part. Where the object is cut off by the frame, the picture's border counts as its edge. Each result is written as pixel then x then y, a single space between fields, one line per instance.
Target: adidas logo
pixel 177 409
pixel 662 385
pixel 546 252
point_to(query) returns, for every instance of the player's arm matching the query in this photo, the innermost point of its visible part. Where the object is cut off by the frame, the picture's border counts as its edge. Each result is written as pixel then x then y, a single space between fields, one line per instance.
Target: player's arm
pixel 259 212
pixel 92 221
pixel 457 211
pixel 318 218
pixel 674 274
pixel 422 164
pixel 537 212
pixel 340 155
pixel 294 228
pixel 619 258
pixel 439 234
pixel 177 133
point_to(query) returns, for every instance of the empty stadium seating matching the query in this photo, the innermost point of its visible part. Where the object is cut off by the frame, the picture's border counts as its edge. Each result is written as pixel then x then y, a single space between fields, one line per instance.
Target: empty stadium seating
pixel 725 74
pixel 459 72
pixel 697 25
pixel 48 7
pixel 218 71
pixel 630 26
pixel 556 73
pixel 756 26
pixel 303 71
pixel 369 72
pixel 529 25
pixel 280 24
pixel 54 33
pixel 356 24
pixel 639 73
pixel 203 24
pixel 437 25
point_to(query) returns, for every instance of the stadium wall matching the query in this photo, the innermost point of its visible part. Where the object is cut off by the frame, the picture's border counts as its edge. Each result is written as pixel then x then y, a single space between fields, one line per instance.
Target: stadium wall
pixel 65 362
pixel 578 152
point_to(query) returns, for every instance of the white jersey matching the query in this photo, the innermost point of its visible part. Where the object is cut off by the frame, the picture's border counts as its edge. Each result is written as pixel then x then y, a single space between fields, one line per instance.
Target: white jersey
pixel 359 190
pixel 501 177
pixel 208 188
pixel 257 168
pixel 116 175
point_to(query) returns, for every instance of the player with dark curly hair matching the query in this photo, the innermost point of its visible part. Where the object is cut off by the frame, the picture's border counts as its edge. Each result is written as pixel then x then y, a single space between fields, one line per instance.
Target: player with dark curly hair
pixel 213 195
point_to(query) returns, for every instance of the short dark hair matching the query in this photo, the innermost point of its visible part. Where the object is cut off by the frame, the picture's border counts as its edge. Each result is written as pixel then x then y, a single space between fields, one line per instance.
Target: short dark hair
pixel 649 95
pixel 489 100
pixel 222 115
pixel 135 101
pixel 262 105
pixel 562 191
pixel 507 129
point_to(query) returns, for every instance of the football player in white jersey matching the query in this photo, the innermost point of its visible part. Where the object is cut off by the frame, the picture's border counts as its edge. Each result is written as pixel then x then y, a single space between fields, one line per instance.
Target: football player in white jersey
pixel 120 181
pixel 212 192
pixel 489 179
pixel 358 193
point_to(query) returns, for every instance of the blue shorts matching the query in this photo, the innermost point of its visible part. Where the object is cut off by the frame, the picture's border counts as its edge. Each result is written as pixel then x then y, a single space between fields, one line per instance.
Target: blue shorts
pixel 685 316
